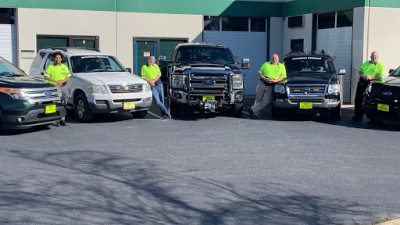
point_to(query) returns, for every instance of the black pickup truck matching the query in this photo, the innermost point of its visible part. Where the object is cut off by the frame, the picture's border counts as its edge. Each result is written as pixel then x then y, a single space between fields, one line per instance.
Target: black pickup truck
pixel 26 102
pixel 205 77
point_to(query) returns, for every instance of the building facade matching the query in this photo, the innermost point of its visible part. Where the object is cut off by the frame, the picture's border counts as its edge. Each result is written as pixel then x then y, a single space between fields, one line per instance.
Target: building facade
pixel 131 30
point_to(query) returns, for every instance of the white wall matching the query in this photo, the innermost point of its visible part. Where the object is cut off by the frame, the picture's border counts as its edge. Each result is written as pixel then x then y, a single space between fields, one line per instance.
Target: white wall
pixel 148 25
pixel 32 22
pixel 276 37
pixel 304 32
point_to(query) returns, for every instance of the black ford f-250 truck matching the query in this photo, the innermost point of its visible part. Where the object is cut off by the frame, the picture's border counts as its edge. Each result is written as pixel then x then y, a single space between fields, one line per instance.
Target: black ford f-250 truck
pixel 27 102
pixel 205 77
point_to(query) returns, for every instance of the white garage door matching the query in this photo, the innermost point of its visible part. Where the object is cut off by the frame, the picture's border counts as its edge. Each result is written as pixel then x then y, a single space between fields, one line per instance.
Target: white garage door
pixel 252 45
pixel 337 43
pixel 8 43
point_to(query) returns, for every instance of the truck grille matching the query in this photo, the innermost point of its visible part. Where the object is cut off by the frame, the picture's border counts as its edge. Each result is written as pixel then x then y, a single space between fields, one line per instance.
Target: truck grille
pixel 386 93
pixel 208 84
pixel 307 90
pixel 42 95
pixel 126 88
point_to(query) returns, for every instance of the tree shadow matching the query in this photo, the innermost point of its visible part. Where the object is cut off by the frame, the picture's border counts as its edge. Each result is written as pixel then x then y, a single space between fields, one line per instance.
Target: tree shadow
pixel 91 187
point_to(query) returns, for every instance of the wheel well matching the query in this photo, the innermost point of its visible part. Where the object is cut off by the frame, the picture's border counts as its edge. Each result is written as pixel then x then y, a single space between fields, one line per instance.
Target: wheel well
pixel 78 92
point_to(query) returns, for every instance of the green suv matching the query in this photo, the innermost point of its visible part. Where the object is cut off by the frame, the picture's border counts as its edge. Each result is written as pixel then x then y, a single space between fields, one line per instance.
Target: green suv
pixel 26 102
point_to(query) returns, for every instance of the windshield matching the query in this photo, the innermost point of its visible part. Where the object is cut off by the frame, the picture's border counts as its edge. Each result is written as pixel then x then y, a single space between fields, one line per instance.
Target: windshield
pixel 8 69
pixel 204 55
pixel 309 64
pixel 396 73
pixel 95 63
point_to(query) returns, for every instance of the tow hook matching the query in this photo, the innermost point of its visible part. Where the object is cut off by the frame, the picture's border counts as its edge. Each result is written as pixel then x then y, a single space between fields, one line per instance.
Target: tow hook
pixel 209 105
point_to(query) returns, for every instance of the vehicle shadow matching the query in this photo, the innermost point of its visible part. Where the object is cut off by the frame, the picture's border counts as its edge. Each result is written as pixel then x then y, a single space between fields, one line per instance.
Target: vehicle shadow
pixel 91 187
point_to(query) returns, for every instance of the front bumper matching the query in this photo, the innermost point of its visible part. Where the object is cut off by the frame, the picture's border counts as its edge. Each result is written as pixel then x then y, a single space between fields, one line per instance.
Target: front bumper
pixel 35 116
pixel 107 104
pixel 316 103
pixel 372 112
pixel 182 97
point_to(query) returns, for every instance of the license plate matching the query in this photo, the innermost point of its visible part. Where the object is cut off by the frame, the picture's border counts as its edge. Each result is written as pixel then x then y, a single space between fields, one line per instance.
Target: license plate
pixel 306 105
pixel 50 109
pixel 205 97
pixel 383 107
pixel 129 105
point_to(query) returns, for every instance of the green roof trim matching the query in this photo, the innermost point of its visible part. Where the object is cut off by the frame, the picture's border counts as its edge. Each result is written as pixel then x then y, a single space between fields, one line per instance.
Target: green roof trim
pixel 299 7
pixel 385 3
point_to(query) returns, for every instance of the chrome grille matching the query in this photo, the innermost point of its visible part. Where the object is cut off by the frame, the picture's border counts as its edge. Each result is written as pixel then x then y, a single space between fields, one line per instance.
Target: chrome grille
pixel 307 90
pixel 126 88
pixel 202 84
pixel 42 95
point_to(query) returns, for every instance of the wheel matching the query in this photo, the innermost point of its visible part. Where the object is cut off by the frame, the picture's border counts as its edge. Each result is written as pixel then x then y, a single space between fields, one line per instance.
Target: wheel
pixel 139 114
pixel 82 110
pixel 336 113
pixel 275 112
pixel 236 110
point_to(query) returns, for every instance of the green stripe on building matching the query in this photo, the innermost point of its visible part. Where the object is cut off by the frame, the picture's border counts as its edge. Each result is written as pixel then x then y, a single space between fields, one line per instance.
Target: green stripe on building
pixel 300 7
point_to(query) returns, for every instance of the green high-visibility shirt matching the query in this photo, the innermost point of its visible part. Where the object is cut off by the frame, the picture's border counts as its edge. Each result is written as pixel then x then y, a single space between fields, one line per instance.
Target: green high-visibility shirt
pixel 57 72
pixel 273 71
pixel 150 72
pixel 375 70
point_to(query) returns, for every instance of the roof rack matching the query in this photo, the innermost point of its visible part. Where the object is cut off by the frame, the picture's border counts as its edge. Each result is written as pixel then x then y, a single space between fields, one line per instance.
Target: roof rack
pixel 65 49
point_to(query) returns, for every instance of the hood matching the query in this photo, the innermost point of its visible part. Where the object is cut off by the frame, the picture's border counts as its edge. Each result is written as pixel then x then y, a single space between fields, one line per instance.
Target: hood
pixel 22 82
pixel 304 78
pixel 110 78
pixel 393 81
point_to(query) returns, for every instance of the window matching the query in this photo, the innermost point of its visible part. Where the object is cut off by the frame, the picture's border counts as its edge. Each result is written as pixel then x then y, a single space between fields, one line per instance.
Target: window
pixel 296 45
pixel 38 60
pixel 235 24
pixel 90 42
pixel 326 20
pixel 258 24
pixel 345 18
pixel 7 16
pixel 295 21
pixel 211 23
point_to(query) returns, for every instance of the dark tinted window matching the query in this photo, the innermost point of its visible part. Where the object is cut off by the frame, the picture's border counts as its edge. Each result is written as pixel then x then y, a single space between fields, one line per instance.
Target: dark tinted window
pixel 204 54
pixel 309 64
pixel 326 20
pixel 95 63
pixel 295 21
pixel 297 45
pixel 345 19
pixel 258 24
pixel 235 23
pixel 7 16
pixel 211 23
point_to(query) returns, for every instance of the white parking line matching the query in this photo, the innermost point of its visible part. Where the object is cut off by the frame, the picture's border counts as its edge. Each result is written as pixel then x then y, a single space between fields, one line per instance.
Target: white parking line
pixel 155 115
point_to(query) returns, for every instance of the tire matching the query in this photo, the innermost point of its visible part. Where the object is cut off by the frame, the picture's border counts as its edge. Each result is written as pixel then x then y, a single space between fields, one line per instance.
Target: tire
pixel 275 112
pixel 139 114
pixel 336 113
pixel 82 111
pixel 236 110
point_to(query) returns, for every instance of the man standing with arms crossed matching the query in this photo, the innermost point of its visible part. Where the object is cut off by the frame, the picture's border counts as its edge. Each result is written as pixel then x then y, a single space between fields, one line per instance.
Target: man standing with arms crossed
pixel 370 71
pixel 58 74
pixel 270 73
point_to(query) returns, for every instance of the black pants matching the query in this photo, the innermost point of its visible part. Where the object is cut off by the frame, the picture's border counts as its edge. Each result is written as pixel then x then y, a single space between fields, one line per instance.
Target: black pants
pixel 358 101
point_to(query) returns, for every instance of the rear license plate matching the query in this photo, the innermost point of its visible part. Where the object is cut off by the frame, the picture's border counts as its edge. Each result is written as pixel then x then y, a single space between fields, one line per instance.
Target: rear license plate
pixel 306 105
pixel 50 109
pixel 206 97
pixel 383 107
pixel 129 105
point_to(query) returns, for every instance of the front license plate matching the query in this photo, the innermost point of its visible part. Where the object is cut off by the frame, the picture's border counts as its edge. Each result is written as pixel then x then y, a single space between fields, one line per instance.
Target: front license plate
pixel 129 105
pixel 50 109
pixel 205 97
pixel 306 105
pixel 383 107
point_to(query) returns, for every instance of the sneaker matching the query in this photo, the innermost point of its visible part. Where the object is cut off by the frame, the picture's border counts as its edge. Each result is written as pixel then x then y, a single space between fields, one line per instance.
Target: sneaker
pixel 166 118
pixel 252 115
pixel 63 123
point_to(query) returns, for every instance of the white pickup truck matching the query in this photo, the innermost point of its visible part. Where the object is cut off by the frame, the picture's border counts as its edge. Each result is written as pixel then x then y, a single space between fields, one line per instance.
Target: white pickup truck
pixel 98 83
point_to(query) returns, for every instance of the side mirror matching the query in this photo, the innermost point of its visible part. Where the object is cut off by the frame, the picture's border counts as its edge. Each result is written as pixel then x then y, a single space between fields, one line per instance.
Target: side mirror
pixel 342 72
pixel 391 71
pixel 162 61
pixel 128 70
pixel 245 63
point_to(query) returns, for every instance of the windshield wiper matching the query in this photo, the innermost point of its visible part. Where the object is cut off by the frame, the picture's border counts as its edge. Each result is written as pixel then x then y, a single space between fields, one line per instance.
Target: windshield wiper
pixel 15 75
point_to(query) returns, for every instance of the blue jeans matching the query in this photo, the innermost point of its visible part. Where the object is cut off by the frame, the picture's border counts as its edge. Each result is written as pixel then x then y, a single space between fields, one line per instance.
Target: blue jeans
pixel 158 96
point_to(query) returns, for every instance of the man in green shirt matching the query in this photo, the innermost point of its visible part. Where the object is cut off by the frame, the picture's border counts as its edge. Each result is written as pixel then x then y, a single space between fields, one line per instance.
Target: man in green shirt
pixel 58 74
pixel 370 71
pixel 151 73
pixel 270 73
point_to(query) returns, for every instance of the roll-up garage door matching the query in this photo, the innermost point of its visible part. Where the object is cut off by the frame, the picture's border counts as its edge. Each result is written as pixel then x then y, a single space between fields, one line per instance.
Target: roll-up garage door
pixel 8 43
pixel 337 43
pixel 252 45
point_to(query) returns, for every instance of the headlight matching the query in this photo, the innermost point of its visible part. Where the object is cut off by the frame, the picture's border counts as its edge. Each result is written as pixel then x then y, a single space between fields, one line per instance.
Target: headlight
pixel 97 88
pixel 333 89
pixel 279 88
pixel 147 87
pixel 14 93
pixel 178 81
pixel 237 82
pixel 369 88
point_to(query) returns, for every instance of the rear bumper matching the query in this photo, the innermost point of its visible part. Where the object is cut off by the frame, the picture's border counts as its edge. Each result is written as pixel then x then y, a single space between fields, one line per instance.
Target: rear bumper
pixel 33 117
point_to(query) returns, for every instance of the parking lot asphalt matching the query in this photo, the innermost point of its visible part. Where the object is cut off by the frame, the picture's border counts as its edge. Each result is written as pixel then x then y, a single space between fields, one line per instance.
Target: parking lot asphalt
pixel 202 169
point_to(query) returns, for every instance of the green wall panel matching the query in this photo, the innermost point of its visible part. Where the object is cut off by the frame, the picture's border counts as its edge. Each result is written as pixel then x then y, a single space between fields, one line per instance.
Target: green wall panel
pixel 385 3
pixel 299 7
